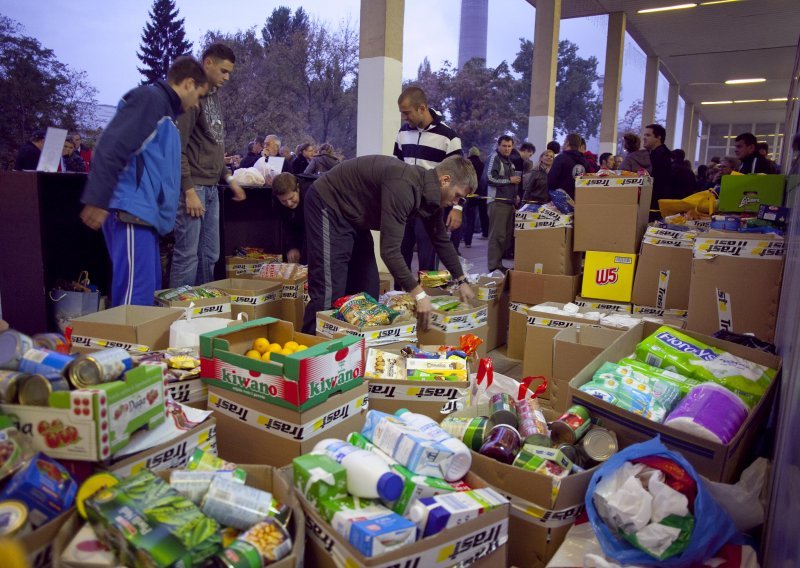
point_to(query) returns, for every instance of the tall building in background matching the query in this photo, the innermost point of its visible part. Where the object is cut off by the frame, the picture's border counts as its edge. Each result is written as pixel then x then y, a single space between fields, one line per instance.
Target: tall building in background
pixel 472 35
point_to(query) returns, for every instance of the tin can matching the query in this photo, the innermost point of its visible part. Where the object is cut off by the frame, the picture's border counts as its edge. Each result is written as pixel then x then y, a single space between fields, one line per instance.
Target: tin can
pixel 235 505
pixel 52 341
pixel 13 519
pixel 13 346
pixel 9 385
pixel 99 367
pixel 35 389
pixel 39 361
pixel 599 444
pixel 470 430
pixel 571 425
pixel 538 440
pixel 504 410
pixel 502 444
pixel 571 453
pixel 265 543
pixel 527 423
pixel 194 484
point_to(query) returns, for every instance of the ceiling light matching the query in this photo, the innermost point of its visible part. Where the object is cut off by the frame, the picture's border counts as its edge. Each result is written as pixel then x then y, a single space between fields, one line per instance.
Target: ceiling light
pixel 751 101
pixel 779 100
pixel 744 81
pixel 717 103
pixel 666 8
pixel 718 2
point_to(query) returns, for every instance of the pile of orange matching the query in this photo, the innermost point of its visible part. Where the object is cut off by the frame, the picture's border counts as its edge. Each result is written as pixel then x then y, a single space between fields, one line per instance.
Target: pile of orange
pixel 262 349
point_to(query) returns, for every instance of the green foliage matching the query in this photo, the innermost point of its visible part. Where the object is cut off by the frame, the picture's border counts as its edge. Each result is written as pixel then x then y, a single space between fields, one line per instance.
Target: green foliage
pixel 163 40
pixel 36 91
pixel 578 106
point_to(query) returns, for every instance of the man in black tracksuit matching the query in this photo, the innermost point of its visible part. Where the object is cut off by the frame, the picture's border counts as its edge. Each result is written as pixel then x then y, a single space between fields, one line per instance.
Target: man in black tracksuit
pixel 378 193
pixel 567 165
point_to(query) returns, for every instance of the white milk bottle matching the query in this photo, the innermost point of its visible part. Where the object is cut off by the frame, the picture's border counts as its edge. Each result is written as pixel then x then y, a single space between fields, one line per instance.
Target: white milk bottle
pixel 462 458
pixel 368 476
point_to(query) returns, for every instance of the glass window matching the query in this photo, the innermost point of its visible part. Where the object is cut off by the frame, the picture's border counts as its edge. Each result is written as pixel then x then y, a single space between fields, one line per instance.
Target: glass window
pixel 716 134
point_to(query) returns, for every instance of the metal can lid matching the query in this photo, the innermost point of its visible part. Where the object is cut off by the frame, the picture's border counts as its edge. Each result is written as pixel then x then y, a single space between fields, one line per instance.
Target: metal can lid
pixel 599 444
pixel 11 348
pixel 13 517
pixel 10 381
pixel 34 391
pixel 561 432
pixel 84 372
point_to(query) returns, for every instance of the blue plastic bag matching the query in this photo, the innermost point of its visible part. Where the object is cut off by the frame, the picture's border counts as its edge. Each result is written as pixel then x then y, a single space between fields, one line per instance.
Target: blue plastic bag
pixel 713 526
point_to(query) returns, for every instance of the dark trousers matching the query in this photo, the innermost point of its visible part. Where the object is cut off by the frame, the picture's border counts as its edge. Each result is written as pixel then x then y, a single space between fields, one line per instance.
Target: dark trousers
pixel 483 215
pixel 501 231
pixel 426 254
pixel 471 212
pixel 341 259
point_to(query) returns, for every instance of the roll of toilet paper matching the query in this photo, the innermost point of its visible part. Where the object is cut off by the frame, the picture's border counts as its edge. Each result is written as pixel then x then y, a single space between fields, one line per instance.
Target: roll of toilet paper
pixel 709 411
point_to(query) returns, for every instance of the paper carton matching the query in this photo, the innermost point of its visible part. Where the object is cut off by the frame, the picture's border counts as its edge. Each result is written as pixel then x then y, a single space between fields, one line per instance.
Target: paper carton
pixel 243 267
pixel 662 277
pixel 493 292
pixel 530 288
pixel 293 302
pixel 265 433
pixel 39 545
pixel 545 251
pixel 736 284
pixel 193 392
pixel 373 336
pixel 301 380
pixel 605 306
pixel 436 336
pixel 608 276
pixel 256 298
pixel 92 424
pixel 541 513
pixel 749 192
pixel 517 320
pixel 717 462
pixel 611 213
pixel 136 328
pixel 219 306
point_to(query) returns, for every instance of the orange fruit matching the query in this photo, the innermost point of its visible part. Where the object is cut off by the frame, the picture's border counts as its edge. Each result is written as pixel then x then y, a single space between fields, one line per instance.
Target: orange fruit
pixel 266 356
pixel 275 347
pixel 301 348
pixel 286 351
pixel 253 354
pixel 261 345
pixel 291 345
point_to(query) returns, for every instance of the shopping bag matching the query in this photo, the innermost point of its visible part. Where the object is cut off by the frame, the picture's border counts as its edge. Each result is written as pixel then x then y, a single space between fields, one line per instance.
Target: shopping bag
pixel 487 383
pixel 186 332
pixel 73 300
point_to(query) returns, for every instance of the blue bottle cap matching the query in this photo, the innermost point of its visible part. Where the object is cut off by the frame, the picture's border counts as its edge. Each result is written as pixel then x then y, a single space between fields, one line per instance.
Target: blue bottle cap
pixel 390 486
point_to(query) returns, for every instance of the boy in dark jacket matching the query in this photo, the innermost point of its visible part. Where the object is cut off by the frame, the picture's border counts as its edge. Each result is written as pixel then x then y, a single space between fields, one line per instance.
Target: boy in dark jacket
pixel 567 165
pixel 286 189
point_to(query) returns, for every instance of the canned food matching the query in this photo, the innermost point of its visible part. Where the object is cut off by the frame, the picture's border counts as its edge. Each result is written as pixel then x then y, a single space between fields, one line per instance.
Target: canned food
pixel 194 484
pixel 502 444
pixel 599 444
pixel 571 453
pixel 235 505
pixel 35 389
pixel 470 430
pixel 571 425
pixel 13 519
pixel 263 544
pixel 38 361
pixel 538 440
pixel 99 367
pixel 13 346
pixel 9 385
pixel 51 341
pixel 504 410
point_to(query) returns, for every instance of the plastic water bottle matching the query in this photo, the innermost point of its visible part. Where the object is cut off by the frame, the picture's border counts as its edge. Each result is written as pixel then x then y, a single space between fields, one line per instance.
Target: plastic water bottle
pixel 368 476
pixel 462 458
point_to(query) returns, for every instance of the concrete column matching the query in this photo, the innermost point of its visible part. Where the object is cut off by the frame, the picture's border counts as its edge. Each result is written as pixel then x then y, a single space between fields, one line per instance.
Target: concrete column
pixel 688 121
pixel 543 75
pixel 380 75
pixel 703 159
pixel 650 96
pixel 672 114
pixel 693 137
pixel 615 44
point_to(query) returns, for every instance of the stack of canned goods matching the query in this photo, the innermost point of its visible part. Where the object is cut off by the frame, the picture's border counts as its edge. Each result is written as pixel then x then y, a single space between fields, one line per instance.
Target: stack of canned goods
pixel 31 368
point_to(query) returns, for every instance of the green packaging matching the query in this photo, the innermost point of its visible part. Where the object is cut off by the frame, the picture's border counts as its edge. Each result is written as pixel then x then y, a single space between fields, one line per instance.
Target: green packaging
pixel 665 392
pixel 685 384
pixel 626 392
pixel 674 351
pixel 147 523
pixel 319 477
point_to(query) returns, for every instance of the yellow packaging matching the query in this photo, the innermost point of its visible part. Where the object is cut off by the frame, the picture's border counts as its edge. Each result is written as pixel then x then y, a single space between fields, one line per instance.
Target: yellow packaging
pixel 608 276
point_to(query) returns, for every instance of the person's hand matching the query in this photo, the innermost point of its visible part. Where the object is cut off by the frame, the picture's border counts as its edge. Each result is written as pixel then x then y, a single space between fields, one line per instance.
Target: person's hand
pixel 454 219
pixel 465 292
pixel 194 207
pixel 515 179
pixel 93 217
pixel 238 192
pixel 517 201
pixel 424 309
pixel 293 256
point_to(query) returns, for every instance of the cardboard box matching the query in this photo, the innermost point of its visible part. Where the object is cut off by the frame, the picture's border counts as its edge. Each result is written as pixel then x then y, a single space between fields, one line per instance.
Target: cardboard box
pixel 293 301
pixel 736 284
pixel 590 305
pixel 174 454
pixel 299 381
pixel 517 320
pixel 386 283
pixel 608 276
pixel 538 523
pixel 243 267
pixel 137 329
pixel 374 336
pixel 191 392
pixel 717 462
pixel 662 277
pixel 749 192
pixel 255 298
pixel 530 288
pixel 435 399
pixel 611 213
pixel 480 543
pixel 39 545
pixel 438 337
pixel 95 422
pixel 494 293
pixel 219 306
pixel 545 251
pixel 250 430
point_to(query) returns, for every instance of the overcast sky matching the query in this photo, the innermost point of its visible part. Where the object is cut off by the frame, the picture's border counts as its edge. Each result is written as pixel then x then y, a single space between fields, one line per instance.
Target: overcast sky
pixel 102 37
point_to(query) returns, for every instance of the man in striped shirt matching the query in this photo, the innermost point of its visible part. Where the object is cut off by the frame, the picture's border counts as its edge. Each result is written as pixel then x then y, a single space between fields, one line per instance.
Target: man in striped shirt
pixel 424 140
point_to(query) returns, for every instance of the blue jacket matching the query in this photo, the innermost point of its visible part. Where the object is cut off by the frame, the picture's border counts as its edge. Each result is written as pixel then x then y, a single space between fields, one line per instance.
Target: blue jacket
pixel 137 164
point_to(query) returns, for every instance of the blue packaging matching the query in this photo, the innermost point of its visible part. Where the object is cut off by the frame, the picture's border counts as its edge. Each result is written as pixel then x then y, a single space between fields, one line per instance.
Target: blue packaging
pixel 379 535
pixel 44 486
pixel 44 362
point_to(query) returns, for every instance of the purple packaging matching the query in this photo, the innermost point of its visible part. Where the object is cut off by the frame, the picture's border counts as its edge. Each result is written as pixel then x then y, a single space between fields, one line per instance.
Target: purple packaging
pixel 709 411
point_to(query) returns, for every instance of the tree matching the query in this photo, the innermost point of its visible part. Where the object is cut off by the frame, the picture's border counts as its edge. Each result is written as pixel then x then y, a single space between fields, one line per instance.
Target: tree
pixel 36 91
pixel 282 25
pixel 163 40
pixel 631 121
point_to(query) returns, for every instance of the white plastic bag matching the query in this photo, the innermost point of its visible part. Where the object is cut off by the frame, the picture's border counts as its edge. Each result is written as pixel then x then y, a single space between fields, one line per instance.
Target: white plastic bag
pixel 745 500
pixel 249 176
pixel 486 383
pixel 186 332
